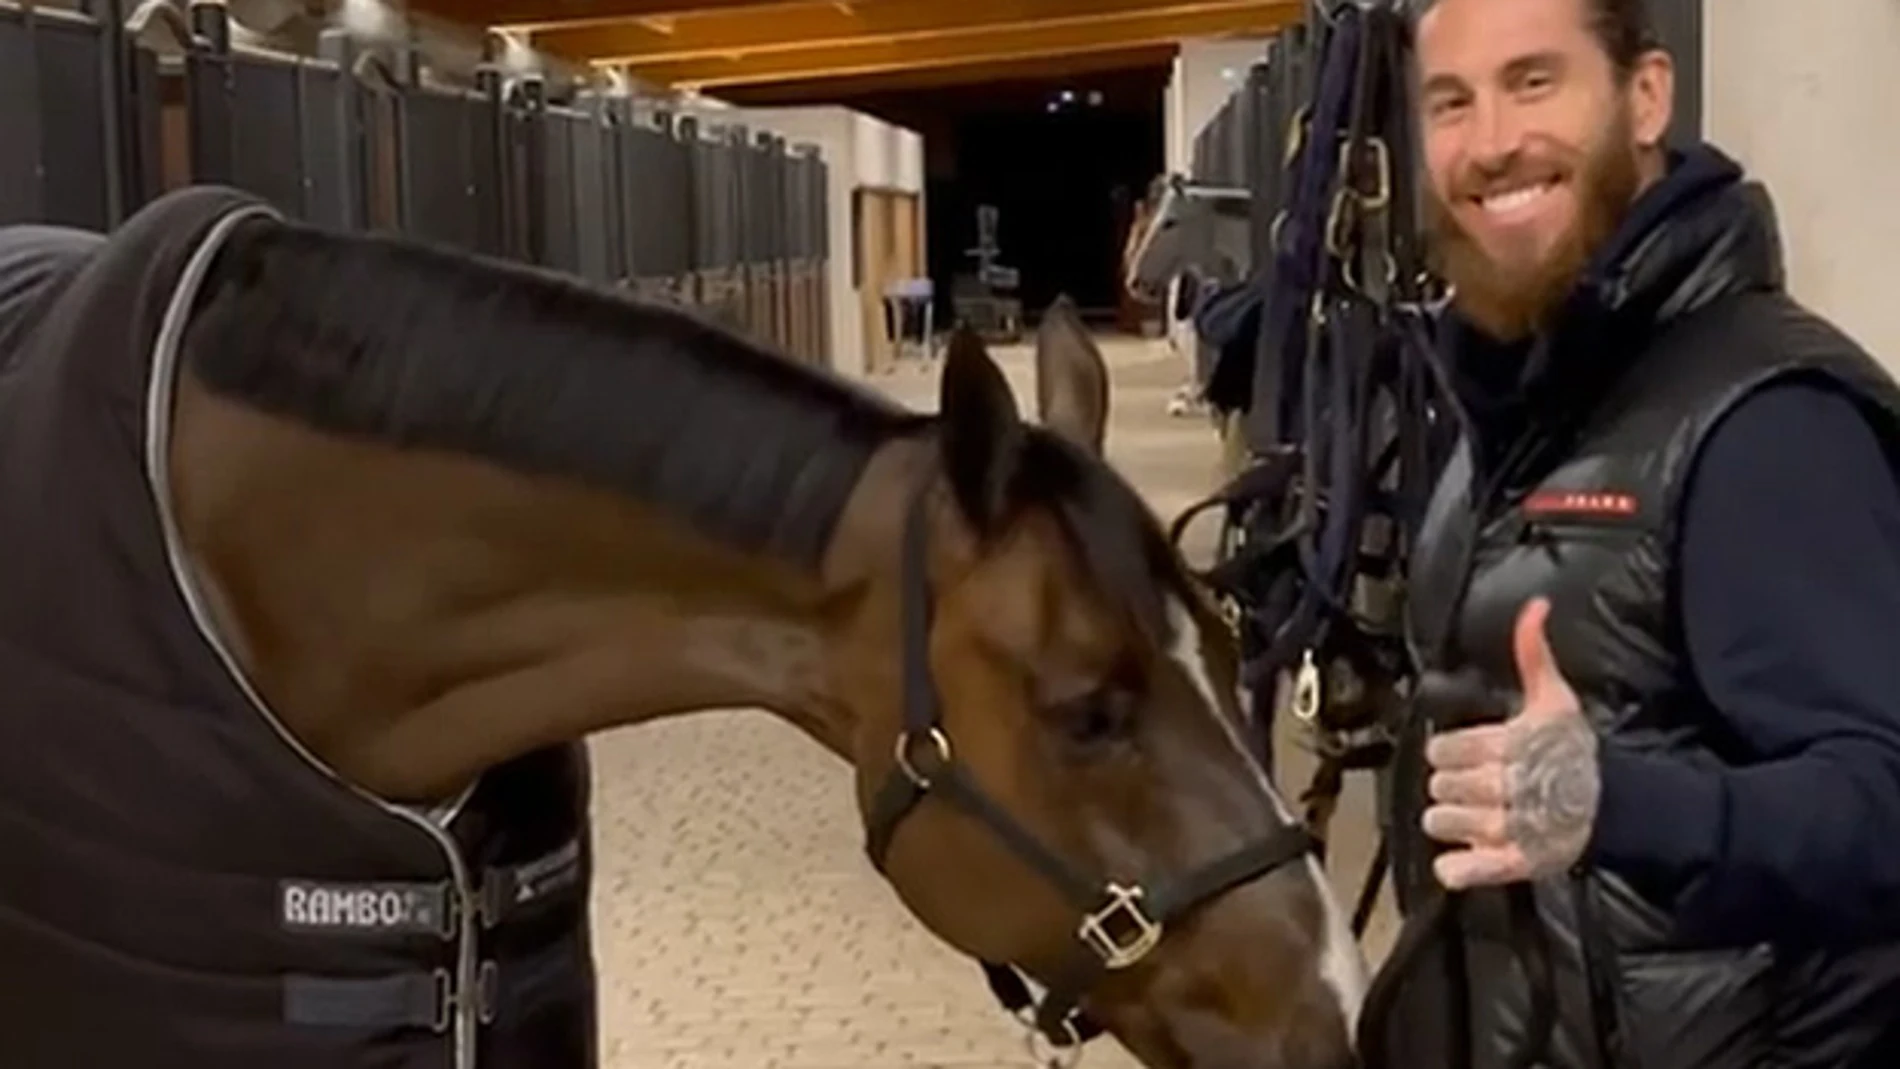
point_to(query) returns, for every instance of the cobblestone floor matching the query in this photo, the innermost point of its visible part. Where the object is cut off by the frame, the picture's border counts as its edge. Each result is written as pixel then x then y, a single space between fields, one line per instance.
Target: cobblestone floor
pixel 738 925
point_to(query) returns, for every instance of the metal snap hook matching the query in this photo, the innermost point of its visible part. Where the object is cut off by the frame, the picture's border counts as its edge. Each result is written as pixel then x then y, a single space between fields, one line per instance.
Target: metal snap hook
pixel 1306 689
pixel 1045 1053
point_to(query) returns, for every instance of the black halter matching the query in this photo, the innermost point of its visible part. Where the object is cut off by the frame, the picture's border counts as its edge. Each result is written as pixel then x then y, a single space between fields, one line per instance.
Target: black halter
pixel 1121 922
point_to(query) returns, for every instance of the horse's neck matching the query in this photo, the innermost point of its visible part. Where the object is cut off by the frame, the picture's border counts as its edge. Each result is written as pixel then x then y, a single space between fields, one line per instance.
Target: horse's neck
pixel 413 618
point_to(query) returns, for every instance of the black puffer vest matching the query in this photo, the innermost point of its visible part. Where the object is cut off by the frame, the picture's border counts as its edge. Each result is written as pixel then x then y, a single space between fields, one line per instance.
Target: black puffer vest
pixel 1683 318
pixel 181 885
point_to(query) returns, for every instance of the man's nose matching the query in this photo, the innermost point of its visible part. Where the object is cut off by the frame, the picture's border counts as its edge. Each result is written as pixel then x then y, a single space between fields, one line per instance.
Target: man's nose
pixel 1496 132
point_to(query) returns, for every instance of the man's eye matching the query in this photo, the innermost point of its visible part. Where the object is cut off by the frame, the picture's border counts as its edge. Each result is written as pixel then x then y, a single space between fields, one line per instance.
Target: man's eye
pixel 1533 82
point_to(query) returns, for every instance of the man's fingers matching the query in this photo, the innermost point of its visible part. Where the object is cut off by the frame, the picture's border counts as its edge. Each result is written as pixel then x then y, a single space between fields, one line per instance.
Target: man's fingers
pixel 1459 870
pixel 1466 748
pixel 1480 786
pixel 1480 825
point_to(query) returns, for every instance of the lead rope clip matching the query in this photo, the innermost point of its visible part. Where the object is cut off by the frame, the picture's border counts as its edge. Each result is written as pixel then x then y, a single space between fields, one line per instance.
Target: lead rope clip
pixel 1306 689
pixel 1044 1053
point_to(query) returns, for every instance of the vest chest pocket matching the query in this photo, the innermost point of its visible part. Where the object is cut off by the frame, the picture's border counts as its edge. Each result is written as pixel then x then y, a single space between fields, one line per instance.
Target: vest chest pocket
pixel 1571 542
pixel 1583 567
pixel 1539 546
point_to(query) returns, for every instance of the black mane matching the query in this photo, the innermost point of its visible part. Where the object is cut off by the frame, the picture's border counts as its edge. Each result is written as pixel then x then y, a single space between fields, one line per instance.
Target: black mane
pixel 381 337
pixel 384 338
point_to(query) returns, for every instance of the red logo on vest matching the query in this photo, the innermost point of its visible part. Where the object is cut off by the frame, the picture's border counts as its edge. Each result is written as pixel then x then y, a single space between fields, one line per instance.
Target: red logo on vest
pixel 1584 504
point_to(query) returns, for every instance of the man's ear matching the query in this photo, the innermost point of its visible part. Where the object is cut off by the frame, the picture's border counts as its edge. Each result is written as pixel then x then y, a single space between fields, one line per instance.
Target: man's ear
pixel 1652 97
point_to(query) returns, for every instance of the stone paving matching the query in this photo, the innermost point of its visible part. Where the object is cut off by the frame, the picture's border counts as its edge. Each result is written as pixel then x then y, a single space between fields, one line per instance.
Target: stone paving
pixel 738 925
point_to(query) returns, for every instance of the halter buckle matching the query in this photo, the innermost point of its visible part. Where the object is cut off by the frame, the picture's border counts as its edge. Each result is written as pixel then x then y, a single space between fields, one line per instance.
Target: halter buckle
pixel 938 741
pixel 1134 933
pixel 1381 195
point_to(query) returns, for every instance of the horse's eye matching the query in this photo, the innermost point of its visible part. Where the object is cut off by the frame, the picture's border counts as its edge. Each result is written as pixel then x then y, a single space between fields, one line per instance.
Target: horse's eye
pixel 1100 716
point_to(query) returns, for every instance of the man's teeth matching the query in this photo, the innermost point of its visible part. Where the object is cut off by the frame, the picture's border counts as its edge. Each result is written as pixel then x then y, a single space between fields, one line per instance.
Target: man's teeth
pixel 1515 199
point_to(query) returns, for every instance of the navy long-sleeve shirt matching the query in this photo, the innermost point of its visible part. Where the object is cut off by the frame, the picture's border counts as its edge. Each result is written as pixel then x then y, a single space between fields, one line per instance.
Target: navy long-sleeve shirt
pixel 1789 575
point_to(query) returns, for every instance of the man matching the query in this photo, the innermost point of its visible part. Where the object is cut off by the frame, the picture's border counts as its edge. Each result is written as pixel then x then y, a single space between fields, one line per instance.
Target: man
pixel 1665 566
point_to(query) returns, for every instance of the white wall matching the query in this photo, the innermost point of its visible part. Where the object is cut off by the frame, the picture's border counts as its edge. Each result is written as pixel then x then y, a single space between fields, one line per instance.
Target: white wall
pixel 860 152
pixel 1205 73
pixel 888 157
pixel 1807 96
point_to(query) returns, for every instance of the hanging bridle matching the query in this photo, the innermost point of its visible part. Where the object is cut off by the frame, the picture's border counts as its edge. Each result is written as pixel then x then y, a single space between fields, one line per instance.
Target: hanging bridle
pixel 1120 922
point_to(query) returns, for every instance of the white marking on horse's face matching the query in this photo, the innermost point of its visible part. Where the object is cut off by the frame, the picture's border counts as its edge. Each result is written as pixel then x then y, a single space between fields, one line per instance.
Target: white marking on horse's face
pixel 1342 967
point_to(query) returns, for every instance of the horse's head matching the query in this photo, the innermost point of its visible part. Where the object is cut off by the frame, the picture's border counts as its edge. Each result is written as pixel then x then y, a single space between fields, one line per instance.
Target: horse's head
pixel 1158 252
pixel 1053 736
pixel 1198 228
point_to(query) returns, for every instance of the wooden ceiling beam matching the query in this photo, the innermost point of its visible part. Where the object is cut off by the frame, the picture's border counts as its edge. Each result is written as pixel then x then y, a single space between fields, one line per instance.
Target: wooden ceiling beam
pixel 536 14
pixel 1079 35
pixel 712 35
pixel 991 73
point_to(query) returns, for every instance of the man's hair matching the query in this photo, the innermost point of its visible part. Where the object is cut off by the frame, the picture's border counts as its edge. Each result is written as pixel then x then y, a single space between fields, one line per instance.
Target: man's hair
pixel 1624 29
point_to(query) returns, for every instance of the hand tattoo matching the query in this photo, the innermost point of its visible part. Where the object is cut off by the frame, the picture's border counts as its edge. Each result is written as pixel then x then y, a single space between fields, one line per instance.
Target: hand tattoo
pixel 1517 799
pixel 1553 786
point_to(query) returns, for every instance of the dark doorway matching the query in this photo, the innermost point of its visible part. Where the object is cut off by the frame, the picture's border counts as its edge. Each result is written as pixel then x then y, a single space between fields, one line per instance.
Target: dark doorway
pixel 1062 182
pixel 1062 157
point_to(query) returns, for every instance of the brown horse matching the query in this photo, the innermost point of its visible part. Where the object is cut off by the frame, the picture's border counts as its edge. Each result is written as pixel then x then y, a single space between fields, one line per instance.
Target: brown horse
pixel 444 517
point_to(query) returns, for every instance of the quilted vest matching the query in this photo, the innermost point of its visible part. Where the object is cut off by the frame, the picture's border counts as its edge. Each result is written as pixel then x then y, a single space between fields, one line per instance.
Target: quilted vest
pixel 182 886
pixel 1587 516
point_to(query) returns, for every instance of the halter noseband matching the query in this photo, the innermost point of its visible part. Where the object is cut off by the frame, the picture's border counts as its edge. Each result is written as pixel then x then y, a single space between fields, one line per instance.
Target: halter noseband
pixel 1121 922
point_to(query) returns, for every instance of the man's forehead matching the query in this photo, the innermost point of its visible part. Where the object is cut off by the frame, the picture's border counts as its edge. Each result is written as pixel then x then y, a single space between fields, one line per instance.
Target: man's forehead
pixel 1455 34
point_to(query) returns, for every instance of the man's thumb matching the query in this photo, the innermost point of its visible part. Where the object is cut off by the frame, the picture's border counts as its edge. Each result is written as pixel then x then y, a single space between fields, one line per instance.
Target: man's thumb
pixel 1537 671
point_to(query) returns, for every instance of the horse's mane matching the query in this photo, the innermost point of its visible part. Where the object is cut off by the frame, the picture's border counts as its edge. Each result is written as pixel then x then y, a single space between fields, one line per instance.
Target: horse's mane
pixel 402 342
pixel 385 338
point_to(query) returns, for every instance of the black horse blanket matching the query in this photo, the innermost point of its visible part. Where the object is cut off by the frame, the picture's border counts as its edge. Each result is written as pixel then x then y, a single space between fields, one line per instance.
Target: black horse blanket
pixel 181 885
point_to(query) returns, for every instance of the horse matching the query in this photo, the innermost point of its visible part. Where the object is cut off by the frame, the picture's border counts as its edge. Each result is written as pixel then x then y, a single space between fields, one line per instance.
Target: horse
pixel 1190 231
pixel 328 551
pixel 1190 226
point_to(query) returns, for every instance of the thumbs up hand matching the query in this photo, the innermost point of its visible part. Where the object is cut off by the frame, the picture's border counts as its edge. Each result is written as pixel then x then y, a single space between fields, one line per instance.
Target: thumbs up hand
pixel 1519 797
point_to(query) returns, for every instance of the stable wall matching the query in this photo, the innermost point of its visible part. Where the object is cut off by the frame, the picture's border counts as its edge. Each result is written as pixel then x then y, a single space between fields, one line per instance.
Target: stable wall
pixel 861 153
pixel 1807 96
pixel 1206 72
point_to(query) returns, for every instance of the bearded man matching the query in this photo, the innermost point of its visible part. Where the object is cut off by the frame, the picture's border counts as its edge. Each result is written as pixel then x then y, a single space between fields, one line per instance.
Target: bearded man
pixel 1663 570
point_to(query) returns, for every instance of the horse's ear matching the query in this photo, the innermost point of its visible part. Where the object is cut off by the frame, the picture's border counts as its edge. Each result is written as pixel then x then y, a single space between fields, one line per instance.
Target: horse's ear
pixel 982 431
pixel 1071 378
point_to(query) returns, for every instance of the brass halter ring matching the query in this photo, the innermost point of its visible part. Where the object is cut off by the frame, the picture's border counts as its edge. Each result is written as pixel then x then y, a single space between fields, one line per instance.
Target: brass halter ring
pixel 938 740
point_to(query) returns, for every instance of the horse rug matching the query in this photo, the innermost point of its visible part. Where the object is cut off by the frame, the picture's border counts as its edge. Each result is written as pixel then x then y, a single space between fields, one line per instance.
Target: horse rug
pixel 182 885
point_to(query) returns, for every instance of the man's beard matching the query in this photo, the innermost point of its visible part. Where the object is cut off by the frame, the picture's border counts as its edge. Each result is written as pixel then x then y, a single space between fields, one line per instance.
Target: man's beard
pixel 1511 301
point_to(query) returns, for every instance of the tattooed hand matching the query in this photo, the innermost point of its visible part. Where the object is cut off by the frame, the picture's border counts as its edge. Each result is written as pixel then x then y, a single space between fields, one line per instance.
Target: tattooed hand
pixel 1521 796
